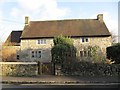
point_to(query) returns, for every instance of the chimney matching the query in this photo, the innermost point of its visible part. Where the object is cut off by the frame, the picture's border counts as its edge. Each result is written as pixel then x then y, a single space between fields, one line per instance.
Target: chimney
pixel 100 17
pixel 26 20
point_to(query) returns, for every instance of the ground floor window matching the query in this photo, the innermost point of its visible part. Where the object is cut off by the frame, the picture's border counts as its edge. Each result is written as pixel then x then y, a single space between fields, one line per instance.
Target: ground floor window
pixel 18 57
pixel 85 54
pixel 36 54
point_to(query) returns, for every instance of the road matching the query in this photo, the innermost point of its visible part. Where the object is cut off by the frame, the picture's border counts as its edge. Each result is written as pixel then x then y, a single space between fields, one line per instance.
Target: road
pixel 99 85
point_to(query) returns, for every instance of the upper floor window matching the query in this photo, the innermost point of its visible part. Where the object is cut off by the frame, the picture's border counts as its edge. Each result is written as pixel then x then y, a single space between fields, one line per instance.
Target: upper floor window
pixel 84 39
pixel 41 41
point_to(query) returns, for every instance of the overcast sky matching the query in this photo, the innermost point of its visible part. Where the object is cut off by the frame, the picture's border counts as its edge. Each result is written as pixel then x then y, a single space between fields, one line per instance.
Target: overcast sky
pixel 12 12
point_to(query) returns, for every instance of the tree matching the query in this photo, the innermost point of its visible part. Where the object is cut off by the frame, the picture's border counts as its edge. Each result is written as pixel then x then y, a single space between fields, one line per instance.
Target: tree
pixel 114 37
pixel 8 54
pixel 63 47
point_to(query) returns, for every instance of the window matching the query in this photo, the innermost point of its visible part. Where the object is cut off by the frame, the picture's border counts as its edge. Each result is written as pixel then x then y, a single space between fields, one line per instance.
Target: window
pixel 85 54
pixel 32 53
pixel 84 39
pixel 39 54
pixel 18 57
pixel 36 54
pixel 89 54
pixel 81 53
pixel 41 41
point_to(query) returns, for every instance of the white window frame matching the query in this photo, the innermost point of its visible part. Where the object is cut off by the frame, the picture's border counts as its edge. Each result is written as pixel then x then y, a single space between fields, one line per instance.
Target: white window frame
pixel 84 39
pixel 41 41
pixel 36 54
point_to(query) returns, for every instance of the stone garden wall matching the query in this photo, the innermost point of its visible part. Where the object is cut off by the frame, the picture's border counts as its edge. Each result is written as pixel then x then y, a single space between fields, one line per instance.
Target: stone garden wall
pixel 18 68
pixel 92 69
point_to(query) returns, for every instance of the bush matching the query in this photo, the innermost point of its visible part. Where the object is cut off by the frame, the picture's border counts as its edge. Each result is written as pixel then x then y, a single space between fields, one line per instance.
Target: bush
pixel 113 53
pixel 63 48
pixel 93 69
pixel 9 54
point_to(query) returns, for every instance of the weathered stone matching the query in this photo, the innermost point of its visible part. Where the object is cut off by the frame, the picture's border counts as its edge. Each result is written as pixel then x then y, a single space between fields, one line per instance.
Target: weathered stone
pixel 18 69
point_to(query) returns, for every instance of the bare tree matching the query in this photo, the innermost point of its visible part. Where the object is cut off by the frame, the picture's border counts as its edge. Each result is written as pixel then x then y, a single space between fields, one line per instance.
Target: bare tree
pixel 114 37
pixel 8 54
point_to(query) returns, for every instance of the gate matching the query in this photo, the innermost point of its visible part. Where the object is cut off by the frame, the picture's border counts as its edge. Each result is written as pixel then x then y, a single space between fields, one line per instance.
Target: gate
pixel 45 69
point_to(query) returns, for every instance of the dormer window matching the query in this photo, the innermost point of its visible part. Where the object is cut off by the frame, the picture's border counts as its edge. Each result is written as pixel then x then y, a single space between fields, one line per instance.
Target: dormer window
pixel 84 39
pixel 41 41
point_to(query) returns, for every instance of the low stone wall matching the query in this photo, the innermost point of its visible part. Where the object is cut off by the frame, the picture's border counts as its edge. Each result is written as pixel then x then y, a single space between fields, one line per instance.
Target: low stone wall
pixel 18 68
pixel 93 69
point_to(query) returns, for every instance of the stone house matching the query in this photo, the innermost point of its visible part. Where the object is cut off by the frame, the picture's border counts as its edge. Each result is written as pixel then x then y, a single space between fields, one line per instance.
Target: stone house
pixel 34 43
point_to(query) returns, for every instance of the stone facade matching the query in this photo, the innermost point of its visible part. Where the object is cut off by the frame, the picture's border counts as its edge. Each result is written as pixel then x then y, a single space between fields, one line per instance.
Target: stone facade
pixel 102 42
pixel 27 46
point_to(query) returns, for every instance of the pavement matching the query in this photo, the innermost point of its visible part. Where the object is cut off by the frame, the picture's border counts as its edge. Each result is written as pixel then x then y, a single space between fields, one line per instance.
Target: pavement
pixel 60 80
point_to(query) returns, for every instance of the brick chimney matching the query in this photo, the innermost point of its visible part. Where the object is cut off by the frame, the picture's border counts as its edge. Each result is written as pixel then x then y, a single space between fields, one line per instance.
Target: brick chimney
pixel 26 20
pixel 100 17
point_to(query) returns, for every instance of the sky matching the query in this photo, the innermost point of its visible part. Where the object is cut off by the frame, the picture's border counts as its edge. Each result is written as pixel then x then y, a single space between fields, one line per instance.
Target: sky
pixel 13 12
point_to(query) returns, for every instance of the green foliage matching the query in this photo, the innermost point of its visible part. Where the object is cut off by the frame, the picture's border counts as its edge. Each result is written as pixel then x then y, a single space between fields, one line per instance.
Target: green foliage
pixel 93 69
pixel 63 40
pixel 63 47
pixel 96 54
pixel 113 53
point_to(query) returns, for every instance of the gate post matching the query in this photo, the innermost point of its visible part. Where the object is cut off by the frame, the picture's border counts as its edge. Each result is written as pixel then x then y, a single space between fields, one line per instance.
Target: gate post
pixel 39 68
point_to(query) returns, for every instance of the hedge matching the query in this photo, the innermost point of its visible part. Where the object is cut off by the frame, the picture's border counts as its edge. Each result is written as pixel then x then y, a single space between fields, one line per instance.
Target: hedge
pixel 113 53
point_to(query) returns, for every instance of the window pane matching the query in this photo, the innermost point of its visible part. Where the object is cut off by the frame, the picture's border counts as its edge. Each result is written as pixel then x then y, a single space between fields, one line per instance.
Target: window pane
pixel 81 53
pixel 38 41
pixel 85 53
pixel 39 54
pixel 82 39
pixel 86 39
pixel 89 53
pixel 44 41
pixel 32 53
pixel 39 51
pixel 18 57
pixel 36 54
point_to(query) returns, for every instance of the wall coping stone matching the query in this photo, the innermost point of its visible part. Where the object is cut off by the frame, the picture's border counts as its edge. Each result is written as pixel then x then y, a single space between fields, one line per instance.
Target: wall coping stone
pixel 18 62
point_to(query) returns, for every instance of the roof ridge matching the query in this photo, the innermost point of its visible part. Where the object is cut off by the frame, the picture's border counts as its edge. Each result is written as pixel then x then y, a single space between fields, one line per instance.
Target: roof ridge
pixel 63 20
pixel 17 31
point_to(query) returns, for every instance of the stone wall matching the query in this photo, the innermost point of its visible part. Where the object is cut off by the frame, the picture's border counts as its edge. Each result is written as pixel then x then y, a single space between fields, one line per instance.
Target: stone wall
pixel 18 68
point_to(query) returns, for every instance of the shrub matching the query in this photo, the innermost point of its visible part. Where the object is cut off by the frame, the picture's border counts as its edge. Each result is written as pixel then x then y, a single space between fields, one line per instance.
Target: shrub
pixel 93 69
pixel 8 54
pixel 113 53
pixel 63 48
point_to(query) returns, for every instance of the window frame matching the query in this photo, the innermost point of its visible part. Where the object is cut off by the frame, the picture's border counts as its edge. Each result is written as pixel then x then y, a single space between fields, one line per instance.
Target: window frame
pixel 36 54
pixel 18 57
pixel 84 39
pixel 41 41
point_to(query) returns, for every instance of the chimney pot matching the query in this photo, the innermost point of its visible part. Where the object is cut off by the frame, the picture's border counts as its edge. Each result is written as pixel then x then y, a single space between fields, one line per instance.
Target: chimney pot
pixel 26 20
pixel 100 17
